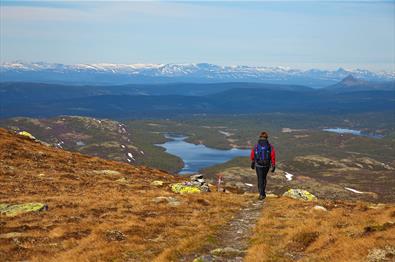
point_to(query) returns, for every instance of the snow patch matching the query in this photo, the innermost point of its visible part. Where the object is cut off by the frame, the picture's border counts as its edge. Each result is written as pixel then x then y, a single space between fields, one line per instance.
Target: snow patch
pixel 288 176
pixel 225 133
pixel 247 184
pixel 354 190
pixel 131 156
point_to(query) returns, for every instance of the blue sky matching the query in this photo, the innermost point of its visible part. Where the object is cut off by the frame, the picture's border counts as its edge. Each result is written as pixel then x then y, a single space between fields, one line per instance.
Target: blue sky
pixel 308 34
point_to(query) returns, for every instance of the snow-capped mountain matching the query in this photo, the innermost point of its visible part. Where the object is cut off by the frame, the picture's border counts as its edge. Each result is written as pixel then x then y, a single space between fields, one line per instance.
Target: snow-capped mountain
pixel 105 73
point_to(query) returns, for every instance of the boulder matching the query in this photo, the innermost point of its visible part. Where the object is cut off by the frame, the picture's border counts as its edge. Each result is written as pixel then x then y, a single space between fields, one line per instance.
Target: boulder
pixel 26 134
pixel 196 177
pixel 300 194
pixel 182 188
pixel 14 210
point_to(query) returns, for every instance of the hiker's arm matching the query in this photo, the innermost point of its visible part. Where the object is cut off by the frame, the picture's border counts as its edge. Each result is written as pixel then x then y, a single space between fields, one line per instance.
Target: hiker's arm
pixel 273 156
pixel 252 155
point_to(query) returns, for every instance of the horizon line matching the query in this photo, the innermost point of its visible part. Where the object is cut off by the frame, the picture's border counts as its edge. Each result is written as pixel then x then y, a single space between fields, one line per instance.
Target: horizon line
pixel 335 68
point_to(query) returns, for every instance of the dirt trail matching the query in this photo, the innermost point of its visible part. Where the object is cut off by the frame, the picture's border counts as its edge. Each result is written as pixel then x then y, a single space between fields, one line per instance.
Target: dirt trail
pixel 232 241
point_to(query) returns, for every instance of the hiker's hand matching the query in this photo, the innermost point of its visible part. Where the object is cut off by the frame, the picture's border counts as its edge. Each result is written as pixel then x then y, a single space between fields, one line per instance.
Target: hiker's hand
pixel 253 165
pixel 273 169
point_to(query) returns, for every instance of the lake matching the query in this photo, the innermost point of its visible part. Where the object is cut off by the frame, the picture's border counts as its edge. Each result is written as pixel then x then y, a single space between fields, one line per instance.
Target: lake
pixel 352 132
pixel 196 157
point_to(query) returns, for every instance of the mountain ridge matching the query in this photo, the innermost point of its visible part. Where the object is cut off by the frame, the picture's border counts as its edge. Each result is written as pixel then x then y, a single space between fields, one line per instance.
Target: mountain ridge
pixel 106 73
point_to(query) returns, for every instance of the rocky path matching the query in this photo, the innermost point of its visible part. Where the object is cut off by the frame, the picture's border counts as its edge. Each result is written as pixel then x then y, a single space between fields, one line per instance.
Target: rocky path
pixel 232 240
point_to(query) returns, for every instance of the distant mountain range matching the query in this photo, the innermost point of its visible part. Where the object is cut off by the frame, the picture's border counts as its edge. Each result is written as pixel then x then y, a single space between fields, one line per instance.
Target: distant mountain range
pixel 164 100
pixel 117 74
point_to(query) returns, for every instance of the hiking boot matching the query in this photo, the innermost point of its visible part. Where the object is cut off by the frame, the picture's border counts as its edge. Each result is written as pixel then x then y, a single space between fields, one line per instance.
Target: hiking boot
pixel 262 197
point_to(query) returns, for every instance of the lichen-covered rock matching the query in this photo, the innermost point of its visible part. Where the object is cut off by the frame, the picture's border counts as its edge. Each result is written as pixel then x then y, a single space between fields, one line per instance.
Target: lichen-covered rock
pixel 181 188
pixel 26 134
pixel 14 210
pixel 300 194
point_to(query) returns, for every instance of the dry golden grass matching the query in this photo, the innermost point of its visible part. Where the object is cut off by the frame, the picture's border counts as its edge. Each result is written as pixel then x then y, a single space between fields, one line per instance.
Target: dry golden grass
pixel 104 211
pixel 94 217
pixel 291 230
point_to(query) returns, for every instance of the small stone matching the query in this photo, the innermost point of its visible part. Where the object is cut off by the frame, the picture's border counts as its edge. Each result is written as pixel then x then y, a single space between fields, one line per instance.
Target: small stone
pixel 226 252
pixel 172 201
pixel 106 172
pixel 271 195
pixel 320 208
pixel 381 254
pixel 196 177
pixel 122 180
pixel 114 235
pixel 11 235
pixel 205 188
pixel 205 258
pixel 157 183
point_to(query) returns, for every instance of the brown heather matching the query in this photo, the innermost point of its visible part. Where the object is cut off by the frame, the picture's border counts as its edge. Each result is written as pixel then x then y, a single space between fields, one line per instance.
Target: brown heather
pixel 101 210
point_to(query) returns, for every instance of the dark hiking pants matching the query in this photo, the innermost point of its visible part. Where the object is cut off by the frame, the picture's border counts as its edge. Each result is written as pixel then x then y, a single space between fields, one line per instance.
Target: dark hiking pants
pixel 261 173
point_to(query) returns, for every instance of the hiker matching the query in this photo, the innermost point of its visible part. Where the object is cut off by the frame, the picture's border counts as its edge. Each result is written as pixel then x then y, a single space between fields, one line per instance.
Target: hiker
pixel 263 157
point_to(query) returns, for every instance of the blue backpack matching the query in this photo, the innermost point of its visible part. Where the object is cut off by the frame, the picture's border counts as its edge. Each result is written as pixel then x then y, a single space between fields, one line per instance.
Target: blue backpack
pixel 262 154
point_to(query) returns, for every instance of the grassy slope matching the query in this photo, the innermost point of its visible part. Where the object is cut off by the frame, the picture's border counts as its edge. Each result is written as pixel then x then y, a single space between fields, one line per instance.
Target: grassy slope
pixel 86 203
pixel 291 230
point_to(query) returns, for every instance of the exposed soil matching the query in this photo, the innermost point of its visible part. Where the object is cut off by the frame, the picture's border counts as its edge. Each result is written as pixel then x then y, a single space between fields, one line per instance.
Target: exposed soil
pixel 232 240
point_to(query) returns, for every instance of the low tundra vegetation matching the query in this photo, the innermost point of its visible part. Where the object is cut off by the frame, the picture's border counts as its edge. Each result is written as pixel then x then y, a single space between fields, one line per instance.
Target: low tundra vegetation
pixel 291 230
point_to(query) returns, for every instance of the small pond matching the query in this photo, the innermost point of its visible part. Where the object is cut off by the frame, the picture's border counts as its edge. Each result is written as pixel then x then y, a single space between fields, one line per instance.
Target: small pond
pixel 196 157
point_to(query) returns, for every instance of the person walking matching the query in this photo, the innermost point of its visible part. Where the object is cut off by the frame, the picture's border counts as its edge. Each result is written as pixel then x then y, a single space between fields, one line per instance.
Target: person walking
pixel 263 157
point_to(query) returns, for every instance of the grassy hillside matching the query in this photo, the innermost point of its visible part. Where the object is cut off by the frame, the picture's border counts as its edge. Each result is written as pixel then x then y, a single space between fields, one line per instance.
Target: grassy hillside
pixel 110 211
pixel 349 231
pixel 97 209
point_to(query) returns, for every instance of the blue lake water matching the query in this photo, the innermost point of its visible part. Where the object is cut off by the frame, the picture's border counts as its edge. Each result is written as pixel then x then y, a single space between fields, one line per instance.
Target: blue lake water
pixel 352 132
pixel 196 157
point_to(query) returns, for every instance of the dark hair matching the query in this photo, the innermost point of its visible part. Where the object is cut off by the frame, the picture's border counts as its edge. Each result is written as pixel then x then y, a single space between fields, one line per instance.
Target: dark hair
pixel 264 135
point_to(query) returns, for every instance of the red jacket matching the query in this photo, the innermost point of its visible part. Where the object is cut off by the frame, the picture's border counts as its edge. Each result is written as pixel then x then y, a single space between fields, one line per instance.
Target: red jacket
pixel 272 155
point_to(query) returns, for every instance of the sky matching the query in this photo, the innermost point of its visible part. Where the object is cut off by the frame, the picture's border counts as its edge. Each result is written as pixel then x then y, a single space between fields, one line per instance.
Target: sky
pixel 296 34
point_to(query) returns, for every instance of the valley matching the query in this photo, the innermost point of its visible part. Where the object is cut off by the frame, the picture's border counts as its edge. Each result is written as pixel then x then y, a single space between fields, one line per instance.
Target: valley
pixel 323 162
